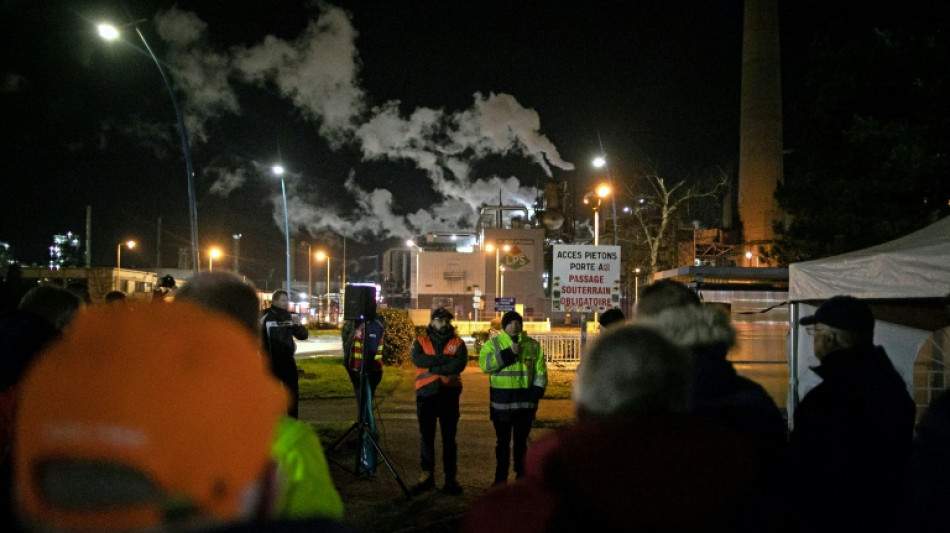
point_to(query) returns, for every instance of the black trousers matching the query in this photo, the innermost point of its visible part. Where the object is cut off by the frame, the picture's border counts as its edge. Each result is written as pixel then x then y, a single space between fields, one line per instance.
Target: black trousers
pixel 514 428
pixel 444 407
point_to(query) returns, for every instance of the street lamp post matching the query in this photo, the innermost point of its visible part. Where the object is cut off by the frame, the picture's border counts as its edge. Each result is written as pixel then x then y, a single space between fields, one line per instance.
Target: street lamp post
pixel 110 33
pixel 279 172
pixel 594 199
pixel 237 252
pixel 213 254
pixel 309 275
pixel 497 249
pixel 118 260
pixel 320 257
pixel 501 290
pixel 601 161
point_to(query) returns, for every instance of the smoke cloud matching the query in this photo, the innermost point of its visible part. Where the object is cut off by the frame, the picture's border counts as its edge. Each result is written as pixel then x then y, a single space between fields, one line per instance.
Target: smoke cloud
pixel 318 72
pixel 226 180
pixel 199 72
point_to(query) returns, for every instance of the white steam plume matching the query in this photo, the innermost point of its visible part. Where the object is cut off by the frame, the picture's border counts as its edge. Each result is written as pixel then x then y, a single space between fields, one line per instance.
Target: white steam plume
pixel 198 71
pixel 226 180
pixel 318 72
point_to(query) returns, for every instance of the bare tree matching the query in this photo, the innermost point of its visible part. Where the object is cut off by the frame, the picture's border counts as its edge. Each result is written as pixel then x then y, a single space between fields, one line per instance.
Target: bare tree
pixel 657 204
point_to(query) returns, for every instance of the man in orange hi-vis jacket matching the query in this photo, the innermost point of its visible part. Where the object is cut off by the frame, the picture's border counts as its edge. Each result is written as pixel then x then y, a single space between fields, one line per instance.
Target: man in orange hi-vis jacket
pixel 440 357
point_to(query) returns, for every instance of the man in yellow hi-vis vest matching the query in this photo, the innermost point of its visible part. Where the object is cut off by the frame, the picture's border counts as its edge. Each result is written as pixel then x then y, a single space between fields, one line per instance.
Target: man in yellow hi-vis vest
pixel 440 357
pixel 518 378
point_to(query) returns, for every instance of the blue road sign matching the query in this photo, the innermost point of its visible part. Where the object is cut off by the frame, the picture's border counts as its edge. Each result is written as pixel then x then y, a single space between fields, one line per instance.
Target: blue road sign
pixel 504 304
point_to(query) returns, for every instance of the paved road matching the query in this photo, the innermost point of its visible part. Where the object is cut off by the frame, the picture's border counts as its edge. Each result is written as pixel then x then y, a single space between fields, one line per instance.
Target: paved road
pixel 319 347
pixel 399 439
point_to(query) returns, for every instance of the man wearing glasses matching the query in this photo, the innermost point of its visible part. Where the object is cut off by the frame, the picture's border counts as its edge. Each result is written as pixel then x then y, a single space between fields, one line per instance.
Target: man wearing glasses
pixel 851 444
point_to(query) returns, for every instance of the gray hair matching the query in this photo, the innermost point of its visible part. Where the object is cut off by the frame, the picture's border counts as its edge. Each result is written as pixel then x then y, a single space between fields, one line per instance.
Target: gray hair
pixel 225 293
pixel 693 325
pixel 632 369
pixel 664 294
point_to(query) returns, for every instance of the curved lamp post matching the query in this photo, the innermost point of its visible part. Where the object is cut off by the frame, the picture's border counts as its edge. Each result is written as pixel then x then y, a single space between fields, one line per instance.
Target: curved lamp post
pixel 111 33
pixel 279 172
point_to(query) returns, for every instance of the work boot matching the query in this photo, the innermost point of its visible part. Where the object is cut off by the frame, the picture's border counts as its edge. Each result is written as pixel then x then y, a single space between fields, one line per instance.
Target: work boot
pixel 451 486
pixel 426 482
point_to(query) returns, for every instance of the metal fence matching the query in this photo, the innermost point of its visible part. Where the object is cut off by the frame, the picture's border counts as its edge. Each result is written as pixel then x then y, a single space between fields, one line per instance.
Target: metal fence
pixel 560 349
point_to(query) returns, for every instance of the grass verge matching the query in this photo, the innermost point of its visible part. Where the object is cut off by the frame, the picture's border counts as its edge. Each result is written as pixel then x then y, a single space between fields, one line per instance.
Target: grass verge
pixel 325 378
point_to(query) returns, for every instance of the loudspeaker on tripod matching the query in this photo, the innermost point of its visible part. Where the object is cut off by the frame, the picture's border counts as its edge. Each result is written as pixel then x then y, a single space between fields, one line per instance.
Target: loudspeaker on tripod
pixel 359 302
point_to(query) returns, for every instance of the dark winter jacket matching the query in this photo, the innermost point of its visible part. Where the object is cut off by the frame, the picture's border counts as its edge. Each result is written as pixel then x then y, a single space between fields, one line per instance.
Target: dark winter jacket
pixel 932 465
pixel 722 396
pixel 447 366
pixel 851 444
pixel 278 332
pixel 669 473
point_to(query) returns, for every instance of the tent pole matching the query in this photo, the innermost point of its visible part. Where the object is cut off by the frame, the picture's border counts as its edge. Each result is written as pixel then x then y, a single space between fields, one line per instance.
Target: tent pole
pixel 794 341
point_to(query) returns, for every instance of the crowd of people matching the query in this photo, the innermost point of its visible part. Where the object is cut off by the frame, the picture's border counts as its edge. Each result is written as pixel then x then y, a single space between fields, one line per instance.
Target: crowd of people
pixel 182 415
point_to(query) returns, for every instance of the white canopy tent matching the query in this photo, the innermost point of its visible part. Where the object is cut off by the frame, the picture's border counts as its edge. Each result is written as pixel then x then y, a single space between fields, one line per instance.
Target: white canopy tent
pixel 905 282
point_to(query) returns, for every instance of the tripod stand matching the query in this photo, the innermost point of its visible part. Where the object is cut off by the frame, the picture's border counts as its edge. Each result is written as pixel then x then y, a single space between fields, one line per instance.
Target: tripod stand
pixel 365 426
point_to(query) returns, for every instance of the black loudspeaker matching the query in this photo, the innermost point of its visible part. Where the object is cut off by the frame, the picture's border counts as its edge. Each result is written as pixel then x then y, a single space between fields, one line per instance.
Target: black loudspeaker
pixel 359 303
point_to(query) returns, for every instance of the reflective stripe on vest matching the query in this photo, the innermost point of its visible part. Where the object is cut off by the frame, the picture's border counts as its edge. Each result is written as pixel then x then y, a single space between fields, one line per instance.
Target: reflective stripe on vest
pixel 357 351
pixel 423 377
pixel 523 373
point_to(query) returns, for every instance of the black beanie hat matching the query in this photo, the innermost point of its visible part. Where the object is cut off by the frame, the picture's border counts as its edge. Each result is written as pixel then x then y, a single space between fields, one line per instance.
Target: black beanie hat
pixel 510 317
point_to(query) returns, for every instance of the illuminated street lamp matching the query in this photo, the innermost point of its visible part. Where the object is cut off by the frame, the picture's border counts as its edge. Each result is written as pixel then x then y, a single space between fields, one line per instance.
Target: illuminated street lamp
pixel 111 33
pixel 118 259
pixel 320 257
pixel 601 162
pixel 278 171
pixel 594 199
pixel 213 254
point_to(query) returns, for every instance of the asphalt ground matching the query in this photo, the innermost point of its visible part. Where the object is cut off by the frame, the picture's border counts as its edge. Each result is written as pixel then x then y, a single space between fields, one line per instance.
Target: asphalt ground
pixel 378 504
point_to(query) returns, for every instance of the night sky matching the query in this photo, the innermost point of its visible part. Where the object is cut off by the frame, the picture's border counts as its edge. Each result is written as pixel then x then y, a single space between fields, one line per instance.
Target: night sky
pixel 392 118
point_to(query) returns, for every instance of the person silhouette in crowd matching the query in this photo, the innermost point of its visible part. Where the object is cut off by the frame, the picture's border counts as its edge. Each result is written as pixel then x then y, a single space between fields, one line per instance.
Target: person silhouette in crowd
pixel 518 377
pixel 635 461
pixel 147 421
pixel 164 289
pixel 279 328
pixel 850 447
pixel 931 465
pixel 718 392
pixel 610 317
pixel 931 459
pixel 305 489
pixel 440 357
pixel 115 297
pixel 42 315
